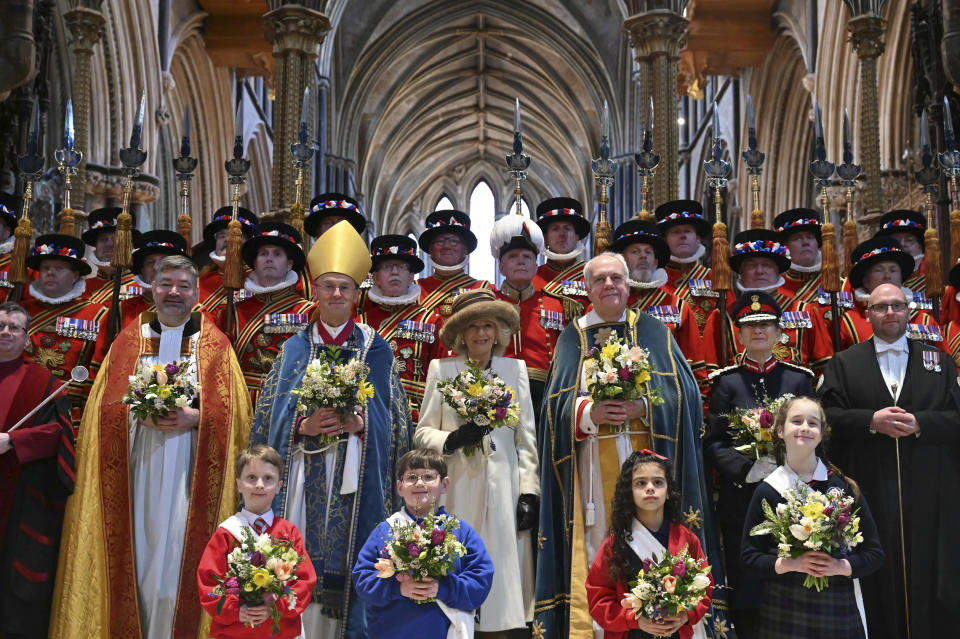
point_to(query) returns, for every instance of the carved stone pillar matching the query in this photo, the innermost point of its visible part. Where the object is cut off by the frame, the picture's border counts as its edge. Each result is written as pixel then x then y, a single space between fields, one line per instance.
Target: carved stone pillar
pixel 866 34
pixel 87 27
pixel 657 38
pixel 296 32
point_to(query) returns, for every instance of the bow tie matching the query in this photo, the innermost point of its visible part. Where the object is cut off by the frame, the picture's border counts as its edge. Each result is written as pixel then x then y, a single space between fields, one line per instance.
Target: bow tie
pixel 884 347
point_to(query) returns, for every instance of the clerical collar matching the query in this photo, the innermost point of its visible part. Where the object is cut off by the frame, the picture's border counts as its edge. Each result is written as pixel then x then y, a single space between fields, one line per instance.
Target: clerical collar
pixel 565 257
pixel 251 285
pixel 144 285
pixel 700 252
pixel 190 327
pixel 7 245
pixel 78 289
pixel 375 295
pixel 333 335
pixel 766 289
pixel 813 268
pixel 249 518
pixel 756 367
pixel 446 272
pixel 219 259
pixel 517 295
pixel 658 279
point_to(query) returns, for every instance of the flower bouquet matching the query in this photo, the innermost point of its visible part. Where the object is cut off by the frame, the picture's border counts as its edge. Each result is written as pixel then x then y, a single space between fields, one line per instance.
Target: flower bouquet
pixel 159 388
pixel 260 571
pixel 618 371
pixel 811 520
pixel 482 398
pixel 429 549
pixel 668 586
pixel 752 428
pixel 330 382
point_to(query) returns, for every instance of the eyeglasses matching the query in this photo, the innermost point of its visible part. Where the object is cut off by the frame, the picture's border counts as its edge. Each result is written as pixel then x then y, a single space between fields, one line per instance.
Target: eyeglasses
pixel 411 479
pixel 400 267
pixel 896 307
pixel 13 328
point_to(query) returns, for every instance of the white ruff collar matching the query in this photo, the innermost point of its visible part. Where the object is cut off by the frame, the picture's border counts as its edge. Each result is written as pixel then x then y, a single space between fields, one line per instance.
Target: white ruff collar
pixel 144 285
pixel 92 258
pixel 77 290
pixel 7 245
pixel 462 266
pixel 255 288
pixel 560 257
pixel 659 279
pixel 219 259
pixel 813 268
pixel 766 289
pixel 412 295
pixel 700 252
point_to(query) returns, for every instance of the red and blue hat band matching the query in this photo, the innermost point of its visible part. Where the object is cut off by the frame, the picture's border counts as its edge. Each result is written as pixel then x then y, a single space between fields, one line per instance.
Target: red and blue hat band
pixel 55 251
pixel 879 250
pixel 156 244
pixel 680 215
pixel 902 222
pixel 804 221
pixel 334 204
pixel 553 212
pixel 228 217
pixel 451 222
pixel 636 233
pixel 392 250
pixel 278 234
pixel 761 246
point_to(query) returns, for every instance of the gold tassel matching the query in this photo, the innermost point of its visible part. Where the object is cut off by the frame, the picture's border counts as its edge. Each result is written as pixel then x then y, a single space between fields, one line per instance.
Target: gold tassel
pixel 233 266
pixel 601 237
pixel 646 216
pixel 721 254
pixel 829 269
pixel 849 243
pixel 68 224
pixel 934 274
pixel 123 242
pixel 296 217
pixel 756 219
pixel 185 229
pixel 954 236
pixel 23 235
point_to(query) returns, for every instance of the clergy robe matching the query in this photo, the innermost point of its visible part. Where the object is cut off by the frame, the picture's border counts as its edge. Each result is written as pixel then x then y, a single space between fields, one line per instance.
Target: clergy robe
pixel 675 426
pixel 853 389
pixel 334 518
pixel 37 476
pixel 131 480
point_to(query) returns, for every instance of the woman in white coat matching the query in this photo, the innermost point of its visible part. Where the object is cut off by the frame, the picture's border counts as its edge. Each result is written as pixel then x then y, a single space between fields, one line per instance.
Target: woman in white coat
pixel 496 490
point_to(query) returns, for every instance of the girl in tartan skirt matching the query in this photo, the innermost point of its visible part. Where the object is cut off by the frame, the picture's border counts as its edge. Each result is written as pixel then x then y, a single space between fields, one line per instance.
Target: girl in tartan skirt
pixel 790 609
pixel 644 520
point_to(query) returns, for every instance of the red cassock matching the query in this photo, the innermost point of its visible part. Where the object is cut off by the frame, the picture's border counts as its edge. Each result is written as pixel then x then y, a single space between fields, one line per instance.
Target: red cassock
pixel 213 563
pixel 604 597
pixel 693 283
pixel 413 333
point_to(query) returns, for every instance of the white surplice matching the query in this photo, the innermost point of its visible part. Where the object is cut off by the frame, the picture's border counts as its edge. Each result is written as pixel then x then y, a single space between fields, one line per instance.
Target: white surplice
pixel 161 465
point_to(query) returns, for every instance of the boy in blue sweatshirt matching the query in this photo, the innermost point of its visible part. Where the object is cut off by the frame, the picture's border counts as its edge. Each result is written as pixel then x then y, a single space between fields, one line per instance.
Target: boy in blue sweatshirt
pixel 394 603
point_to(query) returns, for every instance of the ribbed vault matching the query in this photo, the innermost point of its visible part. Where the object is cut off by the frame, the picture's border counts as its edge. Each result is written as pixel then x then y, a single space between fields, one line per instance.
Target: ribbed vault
pixel 430 100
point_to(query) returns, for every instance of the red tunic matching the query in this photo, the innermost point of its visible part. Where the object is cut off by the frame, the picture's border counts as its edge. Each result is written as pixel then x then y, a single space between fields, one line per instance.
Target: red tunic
pixel 213 564
pixel 855 328
pixel 604 597
pixel 413 333
pixel 952 341
pixel 567 285
pixel 949 306
pixel 801 287
pixel 100 289
pixel 437 294
pixel 541 321
pixel 702 299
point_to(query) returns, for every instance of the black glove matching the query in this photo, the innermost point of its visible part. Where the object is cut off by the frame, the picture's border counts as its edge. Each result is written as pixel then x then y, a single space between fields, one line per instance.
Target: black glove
pixel 467 435
pixel 528 511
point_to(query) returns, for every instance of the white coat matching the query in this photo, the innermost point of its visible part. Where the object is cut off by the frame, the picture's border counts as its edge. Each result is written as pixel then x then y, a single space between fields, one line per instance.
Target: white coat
pixel 484 487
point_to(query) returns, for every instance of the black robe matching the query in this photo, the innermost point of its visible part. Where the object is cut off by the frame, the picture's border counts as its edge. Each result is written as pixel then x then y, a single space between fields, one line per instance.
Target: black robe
pixel 733 388
pixel 853 389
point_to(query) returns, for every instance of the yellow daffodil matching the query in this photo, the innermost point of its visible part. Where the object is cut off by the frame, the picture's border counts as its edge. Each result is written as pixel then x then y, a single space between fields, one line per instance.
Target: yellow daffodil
pixel 766 435
pixel 475 389
pixel 641 379
pixel 365 391
pixel 813 510
pixel 163 392
pixel 262 578
pixel 855 524
pixel 610 351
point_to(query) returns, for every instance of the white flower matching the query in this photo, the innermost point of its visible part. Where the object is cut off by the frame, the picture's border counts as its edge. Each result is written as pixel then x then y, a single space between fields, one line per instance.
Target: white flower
pixel 700 582
pixel 803 530
pixel 181 401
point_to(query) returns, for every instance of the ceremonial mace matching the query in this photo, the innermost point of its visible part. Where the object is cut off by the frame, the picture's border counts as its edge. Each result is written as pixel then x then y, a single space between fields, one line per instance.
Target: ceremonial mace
pixel 604 174
pixel 517 161
pixel 184 166
pixel 950 163
pixel 822 171
pixel 67 160
pixel 31 167
pixel 647 162
pixel 232 269
pixel 717 171
pixel 302 152
pixel 77 374
pixel 929 177
pixel 903 547
pixel 848 172
pixel 132 158
pixel 753 158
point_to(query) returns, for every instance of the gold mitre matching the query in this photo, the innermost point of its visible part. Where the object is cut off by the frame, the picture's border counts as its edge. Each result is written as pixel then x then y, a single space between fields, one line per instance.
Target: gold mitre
pixel 340 250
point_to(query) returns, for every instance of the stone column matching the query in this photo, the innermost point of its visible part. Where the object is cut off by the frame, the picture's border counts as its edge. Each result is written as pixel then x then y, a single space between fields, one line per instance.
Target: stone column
pixel 296 33
pixel 86 25
pixel 657 38
pixel 866 34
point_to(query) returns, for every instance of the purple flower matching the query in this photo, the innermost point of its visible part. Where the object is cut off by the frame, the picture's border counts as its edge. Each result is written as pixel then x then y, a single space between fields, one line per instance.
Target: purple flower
pixel 501 412
pixel 437 536
pixel 172 369
pixel 231 586
pixel 766 419
pixel 270 598
pixel 843 518
pixel 413 549
pixel 657 612
pixel 679 569
pixel 827 510
pixel 647 564
pixel 624 374
pixel 256 559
